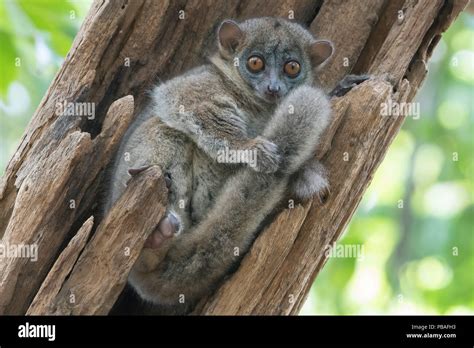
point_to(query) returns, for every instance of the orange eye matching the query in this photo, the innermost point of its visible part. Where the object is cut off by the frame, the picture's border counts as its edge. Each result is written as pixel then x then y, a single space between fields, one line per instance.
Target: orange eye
pixel 255 64
pixel 292 68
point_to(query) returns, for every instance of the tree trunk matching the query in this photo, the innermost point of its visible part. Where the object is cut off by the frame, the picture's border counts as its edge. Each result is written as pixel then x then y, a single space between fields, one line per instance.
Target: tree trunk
pixel 51 185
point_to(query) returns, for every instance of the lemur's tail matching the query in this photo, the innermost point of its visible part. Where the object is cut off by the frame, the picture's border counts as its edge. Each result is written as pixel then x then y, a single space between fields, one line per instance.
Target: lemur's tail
pixel 297 126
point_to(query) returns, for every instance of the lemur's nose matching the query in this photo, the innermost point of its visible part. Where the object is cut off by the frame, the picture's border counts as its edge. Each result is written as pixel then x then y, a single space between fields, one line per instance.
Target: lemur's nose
pixel 273 88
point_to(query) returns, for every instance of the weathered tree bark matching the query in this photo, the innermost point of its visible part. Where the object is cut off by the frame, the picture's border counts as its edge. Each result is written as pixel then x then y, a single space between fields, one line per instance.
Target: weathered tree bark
pixel 112 244
pixel 51 185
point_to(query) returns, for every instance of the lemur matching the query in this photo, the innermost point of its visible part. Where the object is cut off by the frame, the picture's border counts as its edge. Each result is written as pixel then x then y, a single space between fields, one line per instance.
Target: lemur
pixel 257 96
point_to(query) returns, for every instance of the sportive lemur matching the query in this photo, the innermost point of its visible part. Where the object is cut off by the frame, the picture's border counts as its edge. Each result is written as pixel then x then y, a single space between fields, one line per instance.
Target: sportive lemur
pixel 256 96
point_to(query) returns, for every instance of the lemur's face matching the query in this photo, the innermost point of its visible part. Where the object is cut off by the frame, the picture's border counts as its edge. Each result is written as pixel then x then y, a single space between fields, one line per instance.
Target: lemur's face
pixel 272 56
pixel 272 70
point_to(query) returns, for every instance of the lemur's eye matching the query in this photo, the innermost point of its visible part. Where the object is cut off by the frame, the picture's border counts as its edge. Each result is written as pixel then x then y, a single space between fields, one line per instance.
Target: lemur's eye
pixel 255 64
pixel 292 68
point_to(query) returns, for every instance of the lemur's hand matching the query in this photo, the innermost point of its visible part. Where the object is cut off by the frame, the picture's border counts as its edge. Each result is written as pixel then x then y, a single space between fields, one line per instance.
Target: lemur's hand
pixel 169 226
pixel 268 155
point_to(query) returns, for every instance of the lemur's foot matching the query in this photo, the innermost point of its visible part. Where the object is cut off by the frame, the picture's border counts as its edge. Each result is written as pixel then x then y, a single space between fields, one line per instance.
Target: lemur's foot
pixel 168 227
pixel 268 155
pixel 311 180
pixel 347 83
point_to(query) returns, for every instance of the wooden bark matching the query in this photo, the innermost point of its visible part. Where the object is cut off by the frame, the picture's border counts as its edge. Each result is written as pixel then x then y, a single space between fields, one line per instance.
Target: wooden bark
pixel 49 196
pixel 124 47
pixel 117 241
pixel 53 283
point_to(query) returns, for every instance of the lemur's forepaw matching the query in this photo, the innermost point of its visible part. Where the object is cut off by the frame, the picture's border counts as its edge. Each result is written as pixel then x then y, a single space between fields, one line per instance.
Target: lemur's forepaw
pixel 311 180
pixel 168 227
pixel 268 155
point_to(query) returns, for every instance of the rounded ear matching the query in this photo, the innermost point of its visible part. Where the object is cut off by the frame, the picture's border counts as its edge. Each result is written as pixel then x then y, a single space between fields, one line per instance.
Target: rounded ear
pixel 320 51
pixel 229 36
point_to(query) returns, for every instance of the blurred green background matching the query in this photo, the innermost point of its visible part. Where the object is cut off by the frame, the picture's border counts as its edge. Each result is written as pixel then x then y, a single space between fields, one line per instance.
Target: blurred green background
pixel 415 222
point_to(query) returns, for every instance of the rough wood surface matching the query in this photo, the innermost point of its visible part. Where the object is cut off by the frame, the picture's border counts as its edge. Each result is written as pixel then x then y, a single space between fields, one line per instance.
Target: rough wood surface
pixel 125 46
pixel 347 24
pixel 48 199
pixel 101 272
pixel 61 269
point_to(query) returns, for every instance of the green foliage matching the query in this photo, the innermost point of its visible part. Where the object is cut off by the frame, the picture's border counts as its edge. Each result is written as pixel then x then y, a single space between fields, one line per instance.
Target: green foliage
pixel 35 35
pixel 58 23
pixel 418 258
pixel 7 58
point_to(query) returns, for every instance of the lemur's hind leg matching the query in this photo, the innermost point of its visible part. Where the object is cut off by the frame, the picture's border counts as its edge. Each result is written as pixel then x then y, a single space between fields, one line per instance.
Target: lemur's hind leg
pixel 153 143
pixel 195 261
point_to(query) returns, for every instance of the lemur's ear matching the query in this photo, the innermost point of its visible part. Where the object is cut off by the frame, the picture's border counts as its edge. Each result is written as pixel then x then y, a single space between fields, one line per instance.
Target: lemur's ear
pixel 320 51
pixel 229 36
